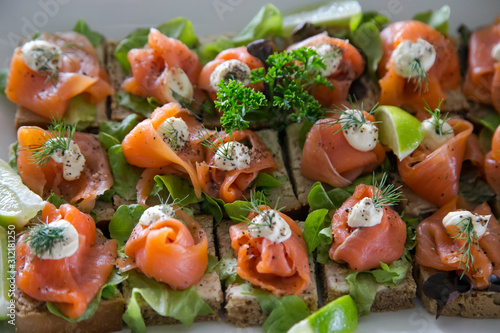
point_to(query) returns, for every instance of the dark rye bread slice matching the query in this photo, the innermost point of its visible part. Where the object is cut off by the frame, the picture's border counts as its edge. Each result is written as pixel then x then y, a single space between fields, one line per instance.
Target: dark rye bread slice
pixel 387 299
pixel 283 194
pixel 209 287
pixel 116 76
pixel 25 117
pixel 244 310
pixel 476 304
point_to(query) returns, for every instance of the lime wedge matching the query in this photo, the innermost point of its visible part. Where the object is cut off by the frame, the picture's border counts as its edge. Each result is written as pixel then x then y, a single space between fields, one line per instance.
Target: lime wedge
pixel 18 204
pixel 338 316
pixel 399 130
pixel 4 275
pixel 328 14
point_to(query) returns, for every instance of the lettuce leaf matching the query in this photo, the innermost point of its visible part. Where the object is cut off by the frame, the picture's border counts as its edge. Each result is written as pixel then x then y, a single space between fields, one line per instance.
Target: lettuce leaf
pixel 139 105
pixel 94 37
pixel 123 222
pixel 226 270
pixel 438 19
pixel 183 305
pixel 4 73
pixel 112 133
pixel 80 113
pixel 282 312
pixel 491 121
pixel 56 200
pixel 107 290
pixel 208 52
pixel 315 222
pixel 239 209
pixel 179 28
pixel 267 22
pixel 13 155
pixel 319 198
pixel 473 188
pixel 213 206
pixel 125 175
pixel 178 188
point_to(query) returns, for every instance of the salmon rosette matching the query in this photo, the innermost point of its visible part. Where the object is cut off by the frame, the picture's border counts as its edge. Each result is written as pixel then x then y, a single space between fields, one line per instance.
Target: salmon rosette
pixel 79 179
pixel 166 143
pixel 482 80
pixel 364 244
pixel 74 269
pixel 46 73
pixel 163 68
pixel 492 163
pixel 273 258
pixel 232 163
pixel 433 173
pixel 462 241
pixel 331 156
pixel 418 66
pixel 236 64
pixel 169 246
pixel 343 63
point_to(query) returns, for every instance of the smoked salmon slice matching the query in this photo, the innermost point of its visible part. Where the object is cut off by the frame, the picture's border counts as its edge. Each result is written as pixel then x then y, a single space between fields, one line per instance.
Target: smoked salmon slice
pixel 492 163
pixel 152 65
pixel 442 76
pixel 365 248
pixel 437 249
pixel 434 175
pixel 482 80
pixel 350 68
pixel 80 74
pixel 233 185
pixel 144 147
pixel 71 282
pixel 94 180
pixel 173 250
pixel 339 162
pixel 282 268
pixel 238 53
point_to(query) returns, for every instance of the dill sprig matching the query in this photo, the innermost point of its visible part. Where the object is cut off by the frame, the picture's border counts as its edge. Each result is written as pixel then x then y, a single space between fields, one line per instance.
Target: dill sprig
pixel 385 196
pixel 351 121
pixel 215 142
pixel 418 74
pixel 255 202
pixel 41 238
pixel 437 121
pixel 468 233
pixel 57 137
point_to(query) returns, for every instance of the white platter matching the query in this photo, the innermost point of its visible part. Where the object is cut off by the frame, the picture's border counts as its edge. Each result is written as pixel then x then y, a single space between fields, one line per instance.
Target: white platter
pixel 116 18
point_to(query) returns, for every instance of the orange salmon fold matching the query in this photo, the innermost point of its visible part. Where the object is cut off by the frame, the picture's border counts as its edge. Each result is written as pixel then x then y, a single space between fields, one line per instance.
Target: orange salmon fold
pixel 170 251
pixel 329 158
pixel 434 175
pixel 143 147
pixel 443 75
pixel 80 73
pixel 492 163
pixel 365 248
pixel 95 179
pixel 232 185
pixel 150 67
pixel 482 80
pixel 351 67
pixel 282 268
pixel 437 249
pixel 71 283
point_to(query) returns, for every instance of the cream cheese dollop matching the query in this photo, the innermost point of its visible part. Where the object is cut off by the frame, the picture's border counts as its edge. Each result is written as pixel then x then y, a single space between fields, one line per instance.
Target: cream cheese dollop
pixel 175 133
pixel 269 224
pixel 407 52
pixel 232 155
pixel 362 138
pixel 40 55
pixel 62 248
pixel 331 55
pixel 178 82
pixel 495 52
pixel 230 69
pixel 364 214
pixel 480 222
pixel 72 160
pixel 432 139
pixel 156 213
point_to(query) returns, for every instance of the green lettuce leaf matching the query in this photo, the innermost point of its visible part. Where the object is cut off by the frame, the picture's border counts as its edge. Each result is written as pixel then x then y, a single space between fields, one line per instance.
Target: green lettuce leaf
pixel 125 176
pixel 139 105
pixel 212 263
pixel 323 255
pixel 268 181
pixel 13 156
pixel 179 28
pixel 208 52
pixel 268 22
pixel 315 222
pixel 282 312
pixel 319 198
pixel 183 305
pixel 473 188
pixel 213 206
pixel 239 209
pixel 178 188
pixel 107 290
pixel 491 121
pixel 56 200
pixel 367 38
pixel 112 133
pixel 123 222
pixel 94 37
pixel 226 270
pixel 438 19
pixel 80 113
pixel 4 73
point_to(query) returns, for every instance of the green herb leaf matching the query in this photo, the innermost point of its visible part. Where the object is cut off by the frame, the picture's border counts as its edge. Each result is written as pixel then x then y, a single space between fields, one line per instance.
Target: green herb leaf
pixel 13 156
pixel 212 263
pixel 136 104
pixel 209 51
pixel 80 113
pixel 125 176
pixel 437 19
pixel 226 270
pixel 491 121
pixel 56 200
pixel 315 222
pixel 367 38
pixel 112 133
pixel 4 73
pixel 268 22
pixel 124 221
pixel 94 37
pixel 213 206
pixel 179 189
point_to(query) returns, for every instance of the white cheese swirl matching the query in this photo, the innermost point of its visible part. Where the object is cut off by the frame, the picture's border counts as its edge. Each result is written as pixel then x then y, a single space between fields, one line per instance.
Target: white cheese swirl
pixel 178 82
pixel 479 222
pixel 362 138
pixel 407 52
pixel 232 155
pixel 230 69
pixel 175 133
pixel 72 160
pixel 364 214
pixel 62 248
pixel 40 55
pixel 156 213
pixel 269 224
pixel 331 55
pixel 432 139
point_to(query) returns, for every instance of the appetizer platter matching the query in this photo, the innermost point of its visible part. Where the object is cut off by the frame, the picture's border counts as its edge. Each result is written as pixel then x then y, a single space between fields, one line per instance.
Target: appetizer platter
pixel 333 167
